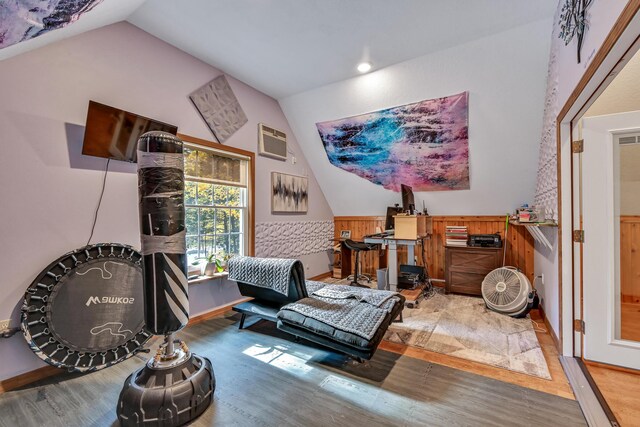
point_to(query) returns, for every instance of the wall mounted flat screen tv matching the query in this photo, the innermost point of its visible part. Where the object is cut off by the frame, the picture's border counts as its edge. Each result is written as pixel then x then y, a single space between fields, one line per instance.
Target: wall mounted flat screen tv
pixel 113 133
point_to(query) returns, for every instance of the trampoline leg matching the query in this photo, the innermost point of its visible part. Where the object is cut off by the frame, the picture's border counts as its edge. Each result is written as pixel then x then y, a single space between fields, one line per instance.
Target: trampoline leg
pixel 241 325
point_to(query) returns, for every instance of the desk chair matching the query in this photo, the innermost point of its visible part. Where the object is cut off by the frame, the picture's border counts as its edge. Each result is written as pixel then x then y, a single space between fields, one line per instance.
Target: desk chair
pixel 359 247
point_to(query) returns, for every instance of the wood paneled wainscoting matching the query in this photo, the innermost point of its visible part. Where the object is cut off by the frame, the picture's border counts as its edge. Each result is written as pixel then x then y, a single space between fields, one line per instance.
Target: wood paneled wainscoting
pixel 519 245
pixel 630 259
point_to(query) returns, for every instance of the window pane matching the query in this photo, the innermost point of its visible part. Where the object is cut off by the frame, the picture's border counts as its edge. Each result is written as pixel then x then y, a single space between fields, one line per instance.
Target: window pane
pixel 191 220
pixel 220 195
pixel 207 221
pixel 205 194
pixel 234 244
pixel 205 165
pixel 222 244
pixel 190 159
pixel 192 249
pixel 189 193
pixel 235 196
pixel 207 244
pixel 235 220
pixel 222 221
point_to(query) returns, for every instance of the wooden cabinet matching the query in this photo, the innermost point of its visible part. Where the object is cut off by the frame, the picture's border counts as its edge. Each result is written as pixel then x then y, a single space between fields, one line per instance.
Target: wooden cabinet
pixel 466 268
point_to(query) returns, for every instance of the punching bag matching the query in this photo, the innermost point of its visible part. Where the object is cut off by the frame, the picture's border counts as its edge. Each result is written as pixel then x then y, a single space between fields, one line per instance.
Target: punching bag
pixel 162 232
pixel 175 386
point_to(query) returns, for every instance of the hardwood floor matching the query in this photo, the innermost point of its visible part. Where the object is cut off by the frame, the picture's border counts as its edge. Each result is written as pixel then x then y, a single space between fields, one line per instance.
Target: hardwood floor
pixel 559 385
pixel 621 390
pixel 264 378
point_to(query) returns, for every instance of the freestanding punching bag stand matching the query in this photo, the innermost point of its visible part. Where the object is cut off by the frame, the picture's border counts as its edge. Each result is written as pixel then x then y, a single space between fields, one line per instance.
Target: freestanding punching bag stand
pixel 176 385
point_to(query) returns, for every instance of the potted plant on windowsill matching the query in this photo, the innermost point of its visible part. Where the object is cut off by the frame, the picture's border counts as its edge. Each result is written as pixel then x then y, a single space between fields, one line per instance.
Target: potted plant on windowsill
pixel 214 265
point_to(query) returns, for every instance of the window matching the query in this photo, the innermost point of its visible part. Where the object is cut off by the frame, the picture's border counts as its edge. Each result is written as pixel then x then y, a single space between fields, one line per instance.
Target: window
pixel 216 202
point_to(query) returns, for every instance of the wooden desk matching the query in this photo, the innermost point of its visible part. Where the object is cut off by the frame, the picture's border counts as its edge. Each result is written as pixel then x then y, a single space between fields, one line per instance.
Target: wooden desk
pixel 392 256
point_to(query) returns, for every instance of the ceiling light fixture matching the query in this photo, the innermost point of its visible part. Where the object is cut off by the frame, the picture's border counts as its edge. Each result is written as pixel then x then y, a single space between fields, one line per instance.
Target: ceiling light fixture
pixel 363 67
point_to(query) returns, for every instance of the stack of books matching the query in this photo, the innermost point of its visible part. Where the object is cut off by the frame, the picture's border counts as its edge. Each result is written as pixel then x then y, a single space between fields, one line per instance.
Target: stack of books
pixel 456 235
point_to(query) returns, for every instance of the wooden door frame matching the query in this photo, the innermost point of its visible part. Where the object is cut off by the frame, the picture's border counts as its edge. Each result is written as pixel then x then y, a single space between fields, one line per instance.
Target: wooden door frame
pixel 612 55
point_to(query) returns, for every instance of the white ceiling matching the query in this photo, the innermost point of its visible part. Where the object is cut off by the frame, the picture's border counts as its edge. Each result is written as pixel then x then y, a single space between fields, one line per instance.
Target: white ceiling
pixel 283 47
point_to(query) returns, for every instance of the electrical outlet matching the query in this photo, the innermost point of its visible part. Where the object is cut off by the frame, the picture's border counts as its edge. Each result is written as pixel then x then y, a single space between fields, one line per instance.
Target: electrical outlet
pixel 4 324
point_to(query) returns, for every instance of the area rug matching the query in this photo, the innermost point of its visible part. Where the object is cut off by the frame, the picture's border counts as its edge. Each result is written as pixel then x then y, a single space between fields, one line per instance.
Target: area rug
pixel 461 326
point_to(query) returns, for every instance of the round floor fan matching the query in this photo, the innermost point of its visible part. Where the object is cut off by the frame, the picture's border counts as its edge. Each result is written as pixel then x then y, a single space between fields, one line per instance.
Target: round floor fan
pixel 507 291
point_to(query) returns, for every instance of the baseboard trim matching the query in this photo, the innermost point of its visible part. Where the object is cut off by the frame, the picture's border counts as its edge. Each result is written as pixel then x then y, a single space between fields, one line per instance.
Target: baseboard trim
pixel 321 276
pixel 28 378
pixel 555 339
pixel 216 311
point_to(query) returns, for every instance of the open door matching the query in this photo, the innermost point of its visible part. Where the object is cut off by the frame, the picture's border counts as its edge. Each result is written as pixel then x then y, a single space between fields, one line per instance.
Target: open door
pixel 610 202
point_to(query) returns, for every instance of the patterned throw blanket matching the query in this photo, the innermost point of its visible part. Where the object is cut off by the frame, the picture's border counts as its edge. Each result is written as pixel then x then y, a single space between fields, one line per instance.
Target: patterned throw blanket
pixel 372 296
pixel 270 273
pixel 347 314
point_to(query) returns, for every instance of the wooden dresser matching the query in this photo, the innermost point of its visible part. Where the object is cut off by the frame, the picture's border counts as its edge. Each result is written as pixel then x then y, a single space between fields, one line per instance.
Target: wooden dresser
pixel 466 268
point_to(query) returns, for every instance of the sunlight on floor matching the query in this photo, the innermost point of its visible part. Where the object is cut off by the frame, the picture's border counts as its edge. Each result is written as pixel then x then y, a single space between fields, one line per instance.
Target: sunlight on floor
pixel 279 357
pixel 365 395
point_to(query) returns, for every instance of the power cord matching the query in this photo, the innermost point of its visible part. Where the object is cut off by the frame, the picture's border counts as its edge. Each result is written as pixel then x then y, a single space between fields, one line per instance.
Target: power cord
pixel 95 217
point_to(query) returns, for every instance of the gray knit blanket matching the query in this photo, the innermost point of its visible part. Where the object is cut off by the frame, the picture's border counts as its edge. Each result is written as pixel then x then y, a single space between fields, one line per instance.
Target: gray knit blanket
pixel 313 285
pixel 372 296
pixel 270 273
pixel 345 314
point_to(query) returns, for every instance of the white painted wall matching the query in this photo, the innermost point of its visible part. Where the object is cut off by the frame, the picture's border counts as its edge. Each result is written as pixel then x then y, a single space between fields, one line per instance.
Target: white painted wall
pixel 505 75
pixel 567 74
pixel 49 190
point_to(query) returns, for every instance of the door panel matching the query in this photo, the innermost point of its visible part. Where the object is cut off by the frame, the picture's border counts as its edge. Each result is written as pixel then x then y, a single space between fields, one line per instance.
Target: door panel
pixel 608 249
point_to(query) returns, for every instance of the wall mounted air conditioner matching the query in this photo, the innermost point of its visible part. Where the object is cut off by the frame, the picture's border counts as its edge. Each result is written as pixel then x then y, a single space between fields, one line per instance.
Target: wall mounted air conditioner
pixel 272 142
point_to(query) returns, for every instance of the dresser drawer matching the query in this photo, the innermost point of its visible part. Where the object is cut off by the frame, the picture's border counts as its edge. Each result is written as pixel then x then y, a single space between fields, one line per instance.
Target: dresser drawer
pixel 466 268
pixel 473 260
pixel 465 283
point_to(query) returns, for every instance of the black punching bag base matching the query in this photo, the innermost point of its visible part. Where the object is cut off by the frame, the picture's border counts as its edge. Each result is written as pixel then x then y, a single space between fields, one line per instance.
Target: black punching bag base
pixel 167 397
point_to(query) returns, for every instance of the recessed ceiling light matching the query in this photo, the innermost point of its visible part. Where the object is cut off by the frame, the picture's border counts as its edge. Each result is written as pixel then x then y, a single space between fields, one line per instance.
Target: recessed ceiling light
pixel 363 67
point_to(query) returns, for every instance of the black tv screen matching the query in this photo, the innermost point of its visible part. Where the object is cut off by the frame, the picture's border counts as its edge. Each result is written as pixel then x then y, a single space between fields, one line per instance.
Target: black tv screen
pixel 113 133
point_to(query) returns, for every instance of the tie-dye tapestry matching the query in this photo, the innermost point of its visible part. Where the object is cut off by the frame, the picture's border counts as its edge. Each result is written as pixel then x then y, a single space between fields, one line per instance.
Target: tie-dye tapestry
pixel 424 145
pixel 25 19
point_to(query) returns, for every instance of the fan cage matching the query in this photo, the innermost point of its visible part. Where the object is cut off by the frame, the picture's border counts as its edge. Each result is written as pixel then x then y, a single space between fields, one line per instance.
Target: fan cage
pixel 505 290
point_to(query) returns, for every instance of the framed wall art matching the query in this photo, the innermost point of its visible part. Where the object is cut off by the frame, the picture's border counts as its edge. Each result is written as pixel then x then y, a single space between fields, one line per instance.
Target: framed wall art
pixel 289 193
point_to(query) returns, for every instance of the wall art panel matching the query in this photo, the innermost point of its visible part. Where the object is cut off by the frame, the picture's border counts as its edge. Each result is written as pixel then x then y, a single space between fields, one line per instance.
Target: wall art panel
pixel 424 145
pixel 289 193
pixel 219 107
pixel 293 239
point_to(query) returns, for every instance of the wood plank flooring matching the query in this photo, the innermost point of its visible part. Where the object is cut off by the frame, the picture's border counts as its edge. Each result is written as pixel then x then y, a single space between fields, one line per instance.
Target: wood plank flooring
pixel 559 385
pixel 264 378
pixel 621 390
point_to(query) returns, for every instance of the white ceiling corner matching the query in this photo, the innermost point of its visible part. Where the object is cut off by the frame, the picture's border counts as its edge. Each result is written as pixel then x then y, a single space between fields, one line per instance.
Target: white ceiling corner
pixel 284 47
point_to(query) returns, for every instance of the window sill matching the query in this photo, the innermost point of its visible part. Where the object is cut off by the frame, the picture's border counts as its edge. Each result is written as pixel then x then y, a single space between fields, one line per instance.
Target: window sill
pixel 201 279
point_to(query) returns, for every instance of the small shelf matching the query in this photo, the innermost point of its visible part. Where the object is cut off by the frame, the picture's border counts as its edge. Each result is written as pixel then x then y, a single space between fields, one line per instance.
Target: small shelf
pixel 534 229
pixel 534 224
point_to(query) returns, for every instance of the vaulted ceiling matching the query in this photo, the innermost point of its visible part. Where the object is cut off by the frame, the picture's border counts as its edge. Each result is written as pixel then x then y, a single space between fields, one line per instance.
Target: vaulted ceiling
pixel 283 47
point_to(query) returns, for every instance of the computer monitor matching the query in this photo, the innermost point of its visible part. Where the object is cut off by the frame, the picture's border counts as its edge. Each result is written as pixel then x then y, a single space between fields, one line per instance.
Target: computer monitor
pixel 391 212
pixel 408 202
